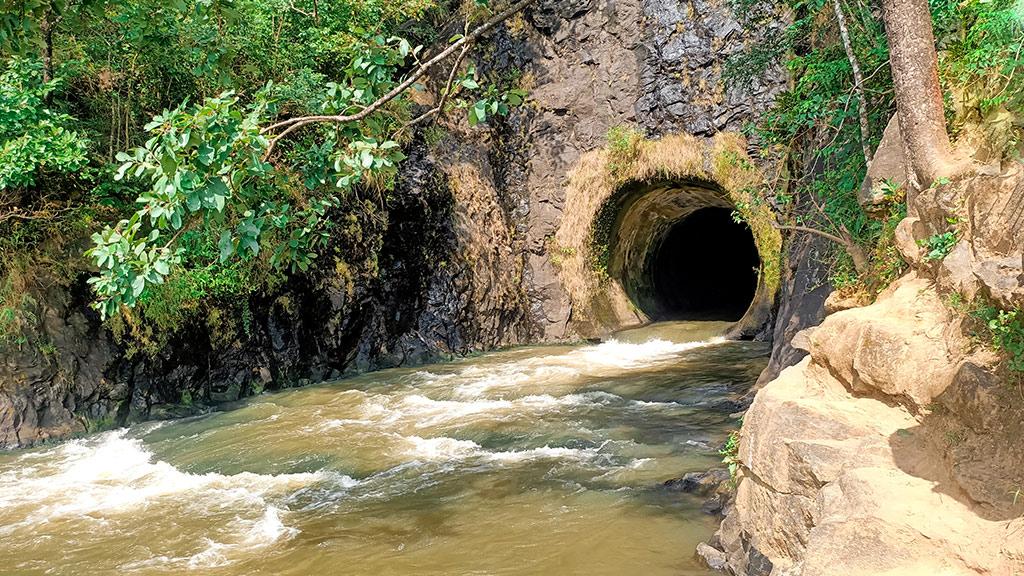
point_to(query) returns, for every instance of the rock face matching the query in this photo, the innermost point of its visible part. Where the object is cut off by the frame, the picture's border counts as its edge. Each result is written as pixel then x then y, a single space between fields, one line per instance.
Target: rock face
pixel 887 451
pixel 442 287
pixel 803 289
pixel 652 64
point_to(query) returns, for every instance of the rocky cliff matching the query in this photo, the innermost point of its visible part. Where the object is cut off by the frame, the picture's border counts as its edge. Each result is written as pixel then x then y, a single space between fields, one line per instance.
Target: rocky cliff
pixel 893 447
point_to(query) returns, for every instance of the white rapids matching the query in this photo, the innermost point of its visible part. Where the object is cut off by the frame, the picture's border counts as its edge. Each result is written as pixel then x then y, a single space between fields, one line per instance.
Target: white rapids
pixel 507 463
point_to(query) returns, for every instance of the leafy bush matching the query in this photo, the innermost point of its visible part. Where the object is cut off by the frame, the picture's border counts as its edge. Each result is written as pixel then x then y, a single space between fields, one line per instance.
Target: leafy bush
pixel 979 39
pixel 1006 329
pixel 938 246
pixel 33 137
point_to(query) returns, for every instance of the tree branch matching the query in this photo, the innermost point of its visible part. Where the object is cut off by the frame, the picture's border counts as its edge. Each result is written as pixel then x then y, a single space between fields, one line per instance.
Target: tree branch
pixel 445 93
pixel 858 80
pixel 293 124
pixel 17 213
pixel 854 250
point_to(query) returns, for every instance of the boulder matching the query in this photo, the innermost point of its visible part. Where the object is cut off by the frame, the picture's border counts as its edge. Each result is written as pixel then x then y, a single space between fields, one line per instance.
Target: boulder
pixel 864 458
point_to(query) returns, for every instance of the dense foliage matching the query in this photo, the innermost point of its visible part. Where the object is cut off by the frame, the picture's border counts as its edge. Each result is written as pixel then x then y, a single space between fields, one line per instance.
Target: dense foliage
pixel 980 45
pixel 169 122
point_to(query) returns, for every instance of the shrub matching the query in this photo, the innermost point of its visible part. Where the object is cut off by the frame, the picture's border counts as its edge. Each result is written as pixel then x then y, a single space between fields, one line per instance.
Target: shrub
pixel 1006 332
pixel 623 148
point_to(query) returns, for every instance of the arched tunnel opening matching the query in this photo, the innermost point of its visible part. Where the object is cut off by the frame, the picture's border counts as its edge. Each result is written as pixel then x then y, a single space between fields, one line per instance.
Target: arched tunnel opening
pixel 678 254
pixel 705 268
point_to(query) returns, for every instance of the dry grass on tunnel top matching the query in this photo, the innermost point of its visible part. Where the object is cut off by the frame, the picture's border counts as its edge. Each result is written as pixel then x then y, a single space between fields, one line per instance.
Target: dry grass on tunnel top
pixel 630 159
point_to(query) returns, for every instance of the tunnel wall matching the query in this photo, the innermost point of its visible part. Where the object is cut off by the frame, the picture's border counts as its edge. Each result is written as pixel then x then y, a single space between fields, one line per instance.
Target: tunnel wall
pixel 620 203
pixel 700 265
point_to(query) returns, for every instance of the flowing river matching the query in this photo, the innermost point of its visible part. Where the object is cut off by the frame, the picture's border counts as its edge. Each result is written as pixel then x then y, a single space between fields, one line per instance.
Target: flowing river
pixel 534 461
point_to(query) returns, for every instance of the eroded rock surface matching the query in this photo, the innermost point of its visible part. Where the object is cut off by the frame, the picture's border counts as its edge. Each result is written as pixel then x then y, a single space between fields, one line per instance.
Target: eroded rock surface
pixel 855 461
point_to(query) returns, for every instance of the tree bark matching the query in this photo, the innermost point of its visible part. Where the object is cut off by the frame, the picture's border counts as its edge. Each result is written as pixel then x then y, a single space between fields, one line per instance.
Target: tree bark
pixel 915 75
pixel 46 29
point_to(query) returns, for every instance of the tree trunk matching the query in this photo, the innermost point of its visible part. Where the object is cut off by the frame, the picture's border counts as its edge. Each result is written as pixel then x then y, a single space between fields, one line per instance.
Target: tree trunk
pixel 915 75
pixel 46 29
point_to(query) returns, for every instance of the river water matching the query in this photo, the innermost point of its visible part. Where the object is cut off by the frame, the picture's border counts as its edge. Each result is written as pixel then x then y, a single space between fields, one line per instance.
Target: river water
pixel 533 461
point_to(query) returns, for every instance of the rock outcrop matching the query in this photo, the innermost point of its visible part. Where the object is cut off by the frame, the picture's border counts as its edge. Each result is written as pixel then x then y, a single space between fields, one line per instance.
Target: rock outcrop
pixel 888 450
pixel 893 447
pixel 434 284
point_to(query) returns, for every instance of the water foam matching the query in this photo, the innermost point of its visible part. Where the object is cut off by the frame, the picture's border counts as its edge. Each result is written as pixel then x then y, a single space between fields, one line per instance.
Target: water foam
pixel 445 449
pixel 612 355
pixel 440 449
pixel 628 355
pixel 113 474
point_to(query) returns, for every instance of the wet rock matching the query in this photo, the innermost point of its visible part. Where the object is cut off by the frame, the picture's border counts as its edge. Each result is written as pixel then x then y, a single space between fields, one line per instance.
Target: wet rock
pixel 757 563
pixel 714 485
pixel 715 504
pixel 714 558
pixel 698 483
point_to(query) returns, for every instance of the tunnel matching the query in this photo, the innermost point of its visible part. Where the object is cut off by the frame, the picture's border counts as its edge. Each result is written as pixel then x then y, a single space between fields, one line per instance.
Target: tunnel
pixel 705 268
pixel 654 238
pixel 678 253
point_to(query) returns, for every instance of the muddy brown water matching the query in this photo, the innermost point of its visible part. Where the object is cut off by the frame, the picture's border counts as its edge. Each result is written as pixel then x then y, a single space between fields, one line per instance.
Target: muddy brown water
pixel 533 461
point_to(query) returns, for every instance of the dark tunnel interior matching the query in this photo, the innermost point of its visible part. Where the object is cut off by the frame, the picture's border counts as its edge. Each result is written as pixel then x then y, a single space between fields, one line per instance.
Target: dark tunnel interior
pixel 705 268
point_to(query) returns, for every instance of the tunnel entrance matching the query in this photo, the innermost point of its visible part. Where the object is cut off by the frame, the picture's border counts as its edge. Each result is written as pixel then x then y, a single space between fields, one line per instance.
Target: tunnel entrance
pixel 655 240
pixel 705 268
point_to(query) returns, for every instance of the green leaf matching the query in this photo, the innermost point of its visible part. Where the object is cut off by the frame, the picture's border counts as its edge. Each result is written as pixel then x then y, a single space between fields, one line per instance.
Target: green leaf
pixel 168 164
pixel 205 154
pixel 250 243
pixel 120 171
pixel 226 246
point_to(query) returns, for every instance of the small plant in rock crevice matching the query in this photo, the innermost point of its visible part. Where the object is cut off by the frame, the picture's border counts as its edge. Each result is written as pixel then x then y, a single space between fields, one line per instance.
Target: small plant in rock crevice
pixel 1006 331
pixel 730 453
pixel 938 245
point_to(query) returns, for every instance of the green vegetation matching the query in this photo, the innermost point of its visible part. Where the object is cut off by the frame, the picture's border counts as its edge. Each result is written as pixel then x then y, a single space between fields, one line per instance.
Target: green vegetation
pixel 1001 329
pixel 730 452
pixel 840 120
pixel 1006 332
pixel 981 53
pixel 623 148
pixel 938 246
pixel 33 138
pixel 210 148
pixel 822 101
